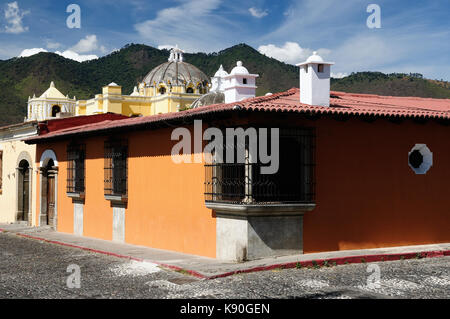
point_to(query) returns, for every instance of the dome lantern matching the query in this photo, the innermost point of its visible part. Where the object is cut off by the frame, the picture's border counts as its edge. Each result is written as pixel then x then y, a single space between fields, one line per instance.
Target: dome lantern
pixel 176 55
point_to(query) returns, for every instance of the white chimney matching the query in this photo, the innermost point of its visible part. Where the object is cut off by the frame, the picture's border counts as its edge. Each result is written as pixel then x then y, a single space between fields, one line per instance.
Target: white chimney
pixel 240 84
pixel 315 81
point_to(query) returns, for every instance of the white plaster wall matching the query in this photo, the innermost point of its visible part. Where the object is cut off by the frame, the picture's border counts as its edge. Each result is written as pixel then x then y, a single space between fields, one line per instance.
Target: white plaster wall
pixel 231 238
pixel 314 86
pixel 78 212
pixel 239 94
pixel 305 85
pixel 119 224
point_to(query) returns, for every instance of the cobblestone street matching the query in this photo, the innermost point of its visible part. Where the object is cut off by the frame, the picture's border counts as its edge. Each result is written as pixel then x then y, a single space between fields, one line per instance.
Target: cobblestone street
pixel 33 269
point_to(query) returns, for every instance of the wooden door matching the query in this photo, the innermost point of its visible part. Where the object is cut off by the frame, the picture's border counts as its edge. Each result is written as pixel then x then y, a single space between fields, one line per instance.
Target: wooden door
pixel 50 199
pixel 26 194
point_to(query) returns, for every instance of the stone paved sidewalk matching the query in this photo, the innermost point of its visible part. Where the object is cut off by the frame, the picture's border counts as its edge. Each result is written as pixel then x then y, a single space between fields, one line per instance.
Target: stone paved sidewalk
pixel 209 268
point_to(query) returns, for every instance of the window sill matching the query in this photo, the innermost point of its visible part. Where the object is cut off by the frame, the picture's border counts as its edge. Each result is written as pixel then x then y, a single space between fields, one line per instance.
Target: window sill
pixel 117 198
pixel 76 195
pixel 260 209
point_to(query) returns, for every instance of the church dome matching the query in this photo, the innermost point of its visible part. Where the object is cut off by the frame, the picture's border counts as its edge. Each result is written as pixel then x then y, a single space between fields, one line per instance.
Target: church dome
pixel 176 72
pixel 209 99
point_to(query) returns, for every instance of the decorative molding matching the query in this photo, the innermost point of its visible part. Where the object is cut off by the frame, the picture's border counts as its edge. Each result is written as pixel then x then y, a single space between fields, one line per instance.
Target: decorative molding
pixel 427 159
pixel 225 209
pixel 47 155
pixel 24 155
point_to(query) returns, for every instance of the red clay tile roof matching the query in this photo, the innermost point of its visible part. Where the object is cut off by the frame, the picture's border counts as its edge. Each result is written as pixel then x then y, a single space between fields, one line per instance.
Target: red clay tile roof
pixel 352 104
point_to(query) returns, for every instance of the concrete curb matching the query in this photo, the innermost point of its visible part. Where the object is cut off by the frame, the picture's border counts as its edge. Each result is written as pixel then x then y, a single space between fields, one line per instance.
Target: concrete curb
pixel 317 263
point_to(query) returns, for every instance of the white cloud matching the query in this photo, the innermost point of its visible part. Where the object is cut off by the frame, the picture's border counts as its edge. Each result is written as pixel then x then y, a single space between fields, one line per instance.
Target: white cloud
pixel 14 16
pixel 195 25
pixel 69 54
pixel 365 52
pixel 290 52
pixel 339 75
pixel 304 21
pixel 53 45
pixel 88 44
pixel 258 13
pixel 30 52
pixel 165 46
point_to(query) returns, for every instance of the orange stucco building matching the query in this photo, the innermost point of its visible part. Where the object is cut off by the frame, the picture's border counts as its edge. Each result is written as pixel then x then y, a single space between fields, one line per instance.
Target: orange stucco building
pixel 358 186
pixel 165 215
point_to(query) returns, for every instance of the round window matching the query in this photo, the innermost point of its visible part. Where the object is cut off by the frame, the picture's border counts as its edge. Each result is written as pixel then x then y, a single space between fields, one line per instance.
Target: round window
pixel 420 159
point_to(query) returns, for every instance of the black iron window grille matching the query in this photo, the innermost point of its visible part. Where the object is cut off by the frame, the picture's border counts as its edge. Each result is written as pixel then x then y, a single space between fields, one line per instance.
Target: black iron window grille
pixel 116 155
pixel 243 183
pixel 76 156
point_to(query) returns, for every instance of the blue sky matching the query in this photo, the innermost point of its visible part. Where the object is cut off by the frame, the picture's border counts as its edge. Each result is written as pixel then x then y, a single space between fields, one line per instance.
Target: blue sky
pixel 414 34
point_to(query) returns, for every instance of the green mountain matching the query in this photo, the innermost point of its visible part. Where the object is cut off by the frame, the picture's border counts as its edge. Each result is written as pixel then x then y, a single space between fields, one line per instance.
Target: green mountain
pixel 395 84
pixel 22 77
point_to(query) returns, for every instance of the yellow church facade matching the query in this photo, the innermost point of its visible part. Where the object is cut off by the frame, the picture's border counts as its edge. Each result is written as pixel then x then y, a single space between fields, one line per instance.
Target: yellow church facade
pixel 170 87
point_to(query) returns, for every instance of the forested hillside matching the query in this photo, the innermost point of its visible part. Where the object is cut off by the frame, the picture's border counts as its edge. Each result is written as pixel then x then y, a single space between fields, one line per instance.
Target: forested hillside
pixel 23 77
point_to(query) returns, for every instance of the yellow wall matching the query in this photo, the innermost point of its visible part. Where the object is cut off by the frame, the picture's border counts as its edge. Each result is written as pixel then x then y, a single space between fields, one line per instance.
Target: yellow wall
pixel 150 104
pixel 130 108
pixel 8 197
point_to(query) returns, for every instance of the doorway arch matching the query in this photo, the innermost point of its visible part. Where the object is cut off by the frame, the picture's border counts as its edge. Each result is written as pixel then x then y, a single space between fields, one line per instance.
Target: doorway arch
pixel 48 192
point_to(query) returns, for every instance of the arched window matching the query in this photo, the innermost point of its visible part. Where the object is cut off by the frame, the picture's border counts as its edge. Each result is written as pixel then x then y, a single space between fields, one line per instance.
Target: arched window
pixel 55 110
pixel 189 90
pixel 200 89
pixel 162 90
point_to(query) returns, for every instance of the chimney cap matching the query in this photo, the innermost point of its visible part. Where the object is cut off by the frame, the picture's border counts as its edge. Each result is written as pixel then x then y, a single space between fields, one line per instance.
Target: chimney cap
pixel 315 59
pixel 239 69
